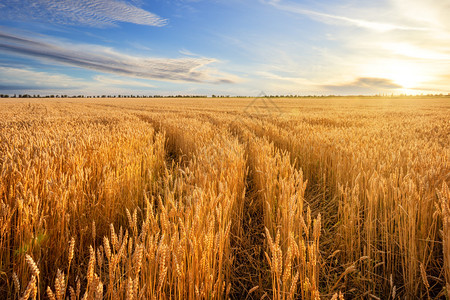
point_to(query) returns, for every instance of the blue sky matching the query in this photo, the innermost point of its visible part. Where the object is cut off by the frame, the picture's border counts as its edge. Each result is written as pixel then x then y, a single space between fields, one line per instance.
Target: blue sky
pixel 245 47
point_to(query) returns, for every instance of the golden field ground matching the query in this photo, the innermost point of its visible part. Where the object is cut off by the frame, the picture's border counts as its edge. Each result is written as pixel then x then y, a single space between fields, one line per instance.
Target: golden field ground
pixel 326 198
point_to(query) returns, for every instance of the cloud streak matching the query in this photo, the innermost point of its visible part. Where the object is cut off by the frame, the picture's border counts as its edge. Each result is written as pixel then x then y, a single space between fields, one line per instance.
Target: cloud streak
pixel 95 13
pixel 98 58
pixel 114 81
pixel 376 26
pixel 413 51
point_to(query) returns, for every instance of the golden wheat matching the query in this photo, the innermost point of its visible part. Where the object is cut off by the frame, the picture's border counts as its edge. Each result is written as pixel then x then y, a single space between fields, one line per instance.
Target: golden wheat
pixel 190 198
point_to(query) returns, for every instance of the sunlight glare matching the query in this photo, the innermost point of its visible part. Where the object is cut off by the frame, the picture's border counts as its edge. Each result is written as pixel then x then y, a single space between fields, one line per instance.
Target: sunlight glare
pixel 408 75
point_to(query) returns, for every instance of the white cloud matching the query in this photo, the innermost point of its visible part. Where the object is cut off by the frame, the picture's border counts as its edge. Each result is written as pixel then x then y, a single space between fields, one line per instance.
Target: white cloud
pixel 412 51
pixel 286 79
pixel 21 79
pixel 118 81
pixel 187 69
pixel 327 17
pixel 31 81
pixel 96 13
pixel 15 80
pixel 431 12
pixel 187 52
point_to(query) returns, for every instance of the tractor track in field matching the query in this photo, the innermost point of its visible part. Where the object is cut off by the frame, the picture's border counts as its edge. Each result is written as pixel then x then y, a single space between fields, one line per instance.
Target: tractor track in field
pixel 250 272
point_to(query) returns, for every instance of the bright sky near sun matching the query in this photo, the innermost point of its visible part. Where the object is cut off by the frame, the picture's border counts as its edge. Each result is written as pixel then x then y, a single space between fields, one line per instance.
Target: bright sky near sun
pixel 228 47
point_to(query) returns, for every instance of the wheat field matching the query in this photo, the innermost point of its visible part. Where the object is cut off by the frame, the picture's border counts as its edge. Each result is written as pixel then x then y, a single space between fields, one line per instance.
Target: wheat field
pixel 310 198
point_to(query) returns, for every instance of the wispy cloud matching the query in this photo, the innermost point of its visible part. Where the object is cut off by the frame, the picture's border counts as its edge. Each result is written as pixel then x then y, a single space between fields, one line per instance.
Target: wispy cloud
pixel 187 52
pixel 291 79
pixel 413 51
pixel 107 60
pixel 117 81
pixel 96 13
pixel 29 80
pixel 326 17
pixel 13 79
pixel 438 84
pixel 431 12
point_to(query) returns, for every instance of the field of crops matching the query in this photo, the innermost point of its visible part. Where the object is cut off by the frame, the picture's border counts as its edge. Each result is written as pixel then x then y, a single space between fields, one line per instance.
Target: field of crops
pixel 225 198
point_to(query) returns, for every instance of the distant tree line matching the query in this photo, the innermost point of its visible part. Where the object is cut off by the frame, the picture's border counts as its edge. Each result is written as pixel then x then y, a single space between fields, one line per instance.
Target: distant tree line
pixel 218 96
pixel 38 96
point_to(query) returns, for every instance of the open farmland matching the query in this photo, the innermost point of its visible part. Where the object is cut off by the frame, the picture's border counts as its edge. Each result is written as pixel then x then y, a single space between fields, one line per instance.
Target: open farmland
pixel 225 198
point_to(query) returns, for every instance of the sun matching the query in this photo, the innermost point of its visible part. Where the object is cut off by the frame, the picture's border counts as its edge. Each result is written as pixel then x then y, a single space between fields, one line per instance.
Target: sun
pixel 408 80
pixel 408 75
